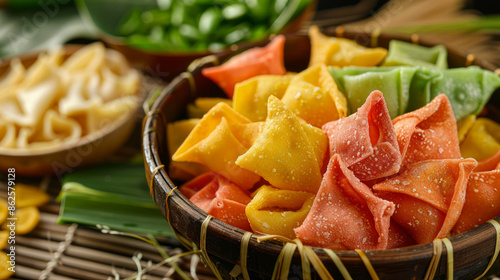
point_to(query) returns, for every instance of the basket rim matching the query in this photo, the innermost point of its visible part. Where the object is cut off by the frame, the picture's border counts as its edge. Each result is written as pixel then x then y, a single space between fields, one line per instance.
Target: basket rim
pixel 163 188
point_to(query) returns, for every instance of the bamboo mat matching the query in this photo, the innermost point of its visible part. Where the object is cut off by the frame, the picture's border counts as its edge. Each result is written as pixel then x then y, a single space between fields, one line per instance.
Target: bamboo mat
pixel 62 252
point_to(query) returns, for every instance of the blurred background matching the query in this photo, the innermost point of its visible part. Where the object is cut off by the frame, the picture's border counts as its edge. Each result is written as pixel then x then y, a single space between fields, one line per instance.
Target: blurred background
pixel 484 6
pixel 27 25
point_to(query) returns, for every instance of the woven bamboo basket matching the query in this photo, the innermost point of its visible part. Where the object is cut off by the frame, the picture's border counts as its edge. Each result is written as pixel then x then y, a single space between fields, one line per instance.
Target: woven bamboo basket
pixel 234 253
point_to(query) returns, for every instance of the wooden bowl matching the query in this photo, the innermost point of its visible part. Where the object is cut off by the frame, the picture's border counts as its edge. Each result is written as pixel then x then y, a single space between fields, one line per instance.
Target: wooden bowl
pixel 222 244
pixel 89 149
pixel 169 64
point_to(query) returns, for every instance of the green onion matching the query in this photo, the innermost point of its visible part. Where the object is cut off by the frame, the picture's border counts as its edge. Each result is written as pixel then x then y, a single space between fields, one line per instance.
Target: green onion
pixel 290 11
pixel 234 11
pixel 189 31
pixel 209 20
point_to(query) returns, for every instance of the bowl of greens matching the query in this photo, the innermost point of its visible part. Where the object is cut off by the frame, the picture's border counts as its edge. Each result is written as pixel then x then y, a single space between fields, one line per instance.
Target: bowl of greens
pixel 164 37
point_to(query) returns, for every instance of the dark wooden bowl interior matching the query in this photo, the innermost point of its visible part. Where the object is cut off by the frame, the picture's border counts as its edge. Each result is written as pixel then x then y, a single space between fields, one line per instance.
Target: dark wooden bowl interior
pixel 472 250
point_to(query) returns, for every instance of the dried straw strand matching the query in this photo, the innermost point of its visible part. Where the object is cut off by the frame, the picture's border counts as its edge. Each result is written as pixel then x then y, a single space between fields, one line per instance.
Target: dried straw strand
pixel 245 240
pixel 469 59
pixel 496 226
pixel 151 179
pixel 307 256
pixel 374 37
pixel 184 241
pixel 367 263
pixel 436 256
pixel 149 115
pixel 306 265
pixel 192 84
pixel 339 31
pixel 202 61
pixel 235 272
pixel 336 260
pixel 317 263
pixel 284 263
pixel 449 258
pixel 203 246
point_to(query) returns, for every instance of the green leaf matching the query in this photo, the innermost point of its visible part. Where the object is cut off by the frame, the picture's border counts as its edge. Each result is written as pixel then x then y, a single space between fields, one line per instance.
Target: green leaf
pixel 124 179
pixel 115 213
pixel 115 195
pixel 73 187
pixel 234 11
pixel 209 20
pixel 289 12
